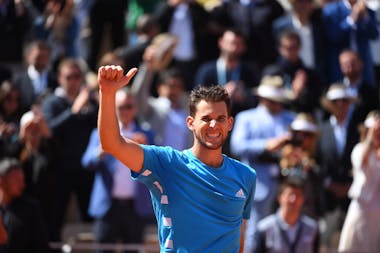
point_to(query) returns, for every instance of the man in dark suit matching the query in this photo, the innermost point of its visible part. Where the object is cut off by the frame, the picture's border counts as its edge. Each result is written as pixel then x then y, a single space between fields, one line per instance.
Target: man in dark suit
pixel 231 70
pixel 255 18
pixel 101 14
pixel 196 32
pixel 305 19
pixel 146 28
pixel 71 115
pixel 302 81
pixel 21 221
pixel 352 68
pixel 37 80
pixel 14 26
pixel 338 135
pixel 349 24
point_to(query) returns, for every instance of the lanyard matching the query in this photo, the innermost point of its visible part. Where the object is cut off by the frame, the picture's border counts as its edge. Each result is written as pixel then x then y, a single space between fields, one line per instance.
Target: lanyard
pixel 291 245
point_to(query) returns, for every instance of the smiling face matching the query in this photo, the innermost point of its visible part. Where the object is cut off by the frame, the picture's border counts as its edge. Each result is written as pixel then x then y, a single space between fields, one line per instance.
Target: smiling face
pixel 291 199
pixel 210 124
pixel 290 47
pixel 232 45
pixel 70 79
pixel 125 107
pixel 39 57
pixel 351 65
pixel 13 183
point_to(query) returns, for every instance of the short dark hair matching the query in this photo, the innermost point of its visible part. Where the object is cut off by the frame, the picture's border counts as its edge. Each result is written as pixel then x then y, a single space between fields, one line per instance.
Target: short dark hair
pixel 172 72
pixel 215 93
pixel 68 62
pixel 290 34
pixel 7 164
pixel 146 23
pixel 292 181
pixel 238 32
pixel 40 44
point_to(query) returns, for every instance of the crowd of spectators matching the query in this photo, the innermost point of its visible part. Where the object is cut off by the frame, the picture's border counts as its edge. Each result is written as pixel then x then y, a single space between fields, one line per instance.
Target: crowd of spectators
pixel 302 75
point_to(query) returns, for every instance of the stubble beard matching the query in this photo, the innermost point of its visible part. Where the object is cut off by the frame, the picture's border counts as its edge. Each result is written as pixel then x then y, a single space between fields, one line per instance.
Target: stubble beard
pixel 204 144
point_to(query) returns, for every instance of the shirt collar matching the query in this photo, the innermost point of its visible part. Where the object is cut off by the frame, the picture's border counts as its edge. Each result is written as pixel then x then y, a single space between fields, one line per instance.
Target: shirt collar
pixel 34 74
pixel 297 24
pixel 126 131
pixel 334 121
pixel 347 4
pixel 284 225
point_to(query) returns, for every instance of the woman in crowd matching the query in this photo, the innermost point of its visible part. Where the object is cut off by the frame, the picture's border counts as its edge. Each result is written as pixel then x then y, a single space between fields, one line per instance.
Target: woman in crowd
pixel 360 231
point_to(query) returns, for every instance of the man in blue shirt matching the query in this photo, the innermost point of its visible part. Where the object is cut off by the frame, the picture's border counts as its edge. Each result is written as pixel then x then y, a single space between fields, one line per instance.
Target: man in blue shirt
pixel 201 197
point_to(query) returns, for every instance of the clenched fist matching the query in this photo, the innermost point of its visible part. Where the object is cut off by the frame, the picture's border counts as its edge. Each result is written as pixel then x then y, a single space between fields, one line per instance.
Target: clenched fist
pixel 112 77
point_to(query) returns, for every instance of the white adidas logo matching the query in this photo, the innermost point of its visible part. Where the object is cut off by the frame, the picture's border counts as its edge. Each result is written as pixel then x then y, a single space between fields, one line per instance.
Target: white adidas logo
pixel 240 193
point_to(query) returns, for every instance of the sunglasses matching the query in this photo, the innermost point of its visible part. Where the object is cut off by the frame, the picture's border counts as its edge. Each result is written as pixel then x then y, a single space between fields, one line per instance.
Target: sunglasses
pixel 125 107
pixel 73 77
pixel 12 98
pixel 344 100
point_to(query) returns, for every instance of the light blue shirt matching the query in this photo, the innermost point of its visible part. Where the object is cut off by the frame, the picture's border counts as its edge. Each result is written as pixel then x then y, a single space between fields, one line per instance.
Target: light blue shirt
pixel 39 80
pixel 252 130
pixel 198 208
pixel 175 131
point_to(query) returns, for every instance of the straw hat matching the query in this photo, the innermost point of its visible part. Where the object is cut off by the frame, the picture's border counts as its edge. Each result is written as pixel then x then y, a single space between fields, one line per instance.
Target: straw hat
pixel 26 118
pixel 272 88
pixel 371 118
pixel 337 91
pixel 304 122
pixel 164 45
pixel 7 164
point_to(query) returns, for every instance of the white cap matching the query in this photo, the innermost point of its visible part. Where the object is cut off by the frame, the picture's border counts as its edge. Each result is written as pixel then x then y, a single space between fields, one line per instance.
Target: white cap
pixel 26 118
pixel 303 125
pixel 340 92
pixel 369 122
pixel 271 87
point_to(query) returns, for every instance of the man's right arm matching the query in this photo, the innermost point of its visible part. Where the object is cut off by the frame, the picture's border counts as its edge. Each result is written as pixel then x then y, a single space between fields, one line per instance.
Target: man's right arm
pixel 112 78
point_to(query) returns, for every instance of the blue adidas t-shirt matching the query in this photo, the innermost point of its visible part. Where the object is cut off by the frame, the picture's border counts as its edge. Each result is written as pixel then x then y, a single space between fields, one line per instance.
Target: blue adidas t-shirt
pixel 198 208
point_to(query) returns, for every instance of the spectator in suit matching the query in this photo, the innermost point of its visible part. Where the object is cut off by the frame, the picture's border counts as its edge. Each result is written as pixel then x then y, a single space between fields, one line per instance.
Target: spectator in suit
pixel 166 112
pixel 196 32
pixel 257 138
pixel 305 19
pixel 117 200
pixel 231 70
pixel 37 79
pixel 288 230
pixel 338 136
pixel 352 66
pixel 14 27
pixel 147 28
pixel 349 24
pixel 298 159
pixel 9 115
pixel 255 18
pixel 302 81
pixel 71 115
pixel 101 14
pixel 35 150
pixel 20 215
pixel 59 26
pixel 360 231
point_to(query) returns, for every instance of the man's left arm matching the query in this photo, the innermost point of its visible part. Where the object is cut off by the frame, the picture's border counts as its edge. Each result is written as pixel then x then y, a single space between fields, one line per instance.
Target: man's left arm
pixel 242 234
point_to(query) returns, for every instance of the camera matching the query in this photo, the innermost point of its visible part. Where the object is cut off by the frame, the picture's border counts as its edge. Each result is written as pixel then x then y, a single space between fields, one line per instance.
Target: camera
pixel 296 139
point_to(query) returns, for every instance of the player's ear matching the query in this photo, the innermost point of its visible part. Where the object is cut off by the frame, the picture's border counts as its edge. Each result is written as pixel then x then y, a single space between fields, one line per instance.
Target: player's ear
pixel 190 122
pixel 230 123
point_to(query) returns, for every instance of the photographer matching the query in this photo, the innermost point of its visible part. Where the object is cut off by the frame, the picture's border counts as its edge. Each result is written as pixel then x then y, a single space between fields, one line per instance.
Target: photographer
pixel 298 159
